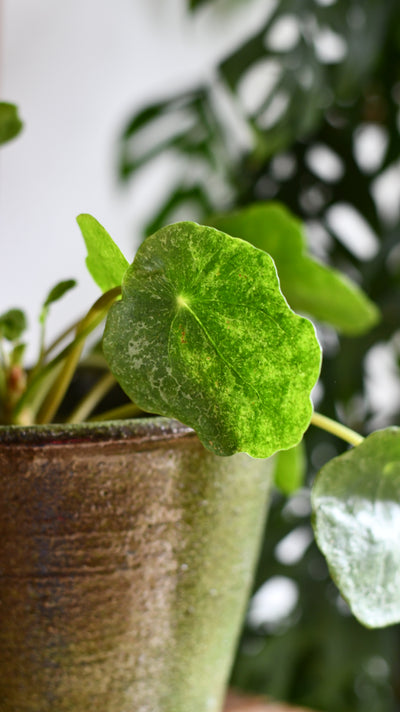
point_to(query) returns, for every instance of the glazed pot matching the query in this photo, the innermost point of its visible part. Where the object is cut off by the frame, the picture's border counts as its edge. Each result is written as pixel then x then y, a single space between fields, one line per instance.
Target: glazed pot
pixel 126 558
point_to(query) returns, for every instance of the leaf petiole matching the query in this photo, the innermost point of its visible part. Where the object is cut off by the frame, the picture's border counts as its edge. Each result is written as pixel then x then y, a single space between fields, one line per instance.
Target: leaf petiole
pixel 89 322
pixel 67 359
pixel 91 399
pixel 128 410
pixel 332 426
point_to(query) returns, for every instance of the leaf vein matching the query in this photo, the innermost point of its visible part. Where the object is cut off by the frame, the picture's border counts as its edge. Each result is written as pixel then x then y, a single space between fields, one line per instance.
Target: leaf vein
pixel 219 354
pixel 246 306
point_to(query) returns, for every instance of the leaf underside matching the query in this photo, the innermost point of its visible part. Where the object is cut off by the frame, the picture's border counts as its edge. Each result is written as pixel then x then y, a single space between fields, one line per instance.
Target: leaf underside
pixel 309 286
pixel 203 334
pixel 356 505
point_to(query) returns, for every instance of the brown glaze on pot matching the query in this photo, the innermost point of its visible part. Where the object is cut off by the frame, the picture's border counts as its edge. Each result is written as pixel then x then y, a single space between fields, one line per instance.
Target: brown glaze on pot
pixel 125 562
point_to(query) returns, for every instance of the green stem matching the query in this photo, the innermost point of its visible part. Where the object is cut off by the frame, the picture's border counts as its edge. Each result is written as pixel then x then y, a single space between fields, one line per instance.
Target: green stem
pixel 3 370
pixel 39 367
pixel 332 426
pixel 4 360
pixel 89 322
pixel 129 410
pixel 42 339
pixel 60 338
pixel 91 399
pixel 43 379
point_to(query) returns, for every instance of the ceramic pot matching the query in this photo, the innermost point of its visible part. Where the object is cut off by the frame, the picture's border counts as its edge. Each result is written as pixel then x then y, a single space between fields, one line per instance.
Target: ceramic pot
pixel 126 557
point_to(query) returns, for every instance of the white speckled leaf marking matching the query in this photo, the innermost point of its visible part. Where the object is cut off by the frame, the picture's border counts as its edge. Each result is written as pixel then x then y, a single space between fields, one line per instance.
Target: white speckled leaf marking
pixel 203 334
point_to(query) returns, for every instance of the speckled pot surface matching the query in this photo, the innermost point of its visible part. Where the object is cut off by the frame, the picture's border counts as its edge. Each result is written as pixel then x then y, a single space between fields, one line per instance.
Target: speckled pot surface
pixel 126 557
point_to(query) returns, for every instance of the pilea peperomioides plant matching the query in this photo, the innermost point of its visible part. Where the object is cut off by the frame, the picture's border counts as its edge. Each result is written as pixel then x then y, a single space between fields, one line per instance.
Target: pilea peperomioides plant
pixel 197 328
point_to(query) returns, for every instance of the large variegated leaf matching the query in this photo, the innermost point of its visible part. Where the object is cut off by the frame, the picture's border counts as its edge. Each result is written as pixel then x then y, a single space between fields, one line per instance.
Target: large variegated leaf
pixel 203 334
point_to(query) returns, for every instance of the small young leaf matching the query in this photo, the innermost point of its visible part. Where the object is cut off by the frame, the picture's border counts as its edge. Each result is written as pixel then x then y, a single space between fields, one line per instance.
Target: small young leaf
pixel 10 123
pixel 12 324
pixel 308 285
pixel 105 261
pixel 356 505
pixel 290 469
pixel 203 334
pixel 56 293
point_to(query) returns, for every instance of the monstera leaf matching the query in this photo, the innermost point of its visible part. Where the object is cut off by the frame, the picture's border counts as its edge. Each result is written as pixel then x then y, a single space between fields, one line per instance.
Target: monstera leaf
pixel 203 334
pixel 356 504
pixel 308 285
pixel 302 65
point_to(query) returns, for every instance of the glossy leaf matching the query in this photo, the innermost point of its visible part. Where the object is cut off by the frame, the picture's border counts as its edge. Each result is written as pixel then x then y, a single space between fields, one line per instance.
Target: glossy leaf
pixel 12 324
pixel 290 469
pixel 203 334
pixel 105 261
pixel 356 505
pixel 309 286
pixel 56 293
pixel 10 123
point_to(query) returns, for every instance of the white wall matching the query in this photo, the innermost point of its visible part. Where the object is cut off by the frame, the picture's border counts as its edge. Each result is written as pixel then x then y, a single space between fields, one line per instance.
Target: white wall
pixel 77 69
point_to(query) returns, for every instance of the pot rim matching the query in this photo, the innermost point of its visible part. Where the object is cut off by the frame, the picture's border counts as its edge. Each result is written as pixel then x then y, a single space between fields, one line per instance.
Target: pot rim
pixel 153 429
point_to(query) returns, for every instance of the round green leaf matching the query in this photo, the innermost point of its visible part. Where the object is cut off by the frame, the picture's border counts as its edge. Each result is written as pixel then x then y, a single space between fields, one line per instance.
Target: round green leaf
pixel 12 324
pixel 203 334
pixel 356 504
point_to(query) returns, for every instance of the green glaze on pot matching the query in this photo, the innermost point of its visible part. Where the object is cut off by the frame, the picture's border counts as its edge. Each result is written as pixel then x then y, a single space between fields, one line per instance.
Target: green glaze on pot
pixel 127 553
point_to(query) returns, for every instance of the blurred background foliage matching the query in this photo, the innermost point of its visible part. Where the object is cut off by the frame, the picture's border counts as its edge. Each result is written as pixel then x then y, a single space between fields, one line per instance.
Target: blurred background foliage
pixel 306 112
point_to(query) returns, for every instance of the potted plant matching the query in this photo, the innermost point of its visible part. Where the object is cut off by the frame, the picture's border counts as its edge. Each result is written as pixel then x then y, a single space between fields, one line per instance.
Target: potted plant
pixel 128 545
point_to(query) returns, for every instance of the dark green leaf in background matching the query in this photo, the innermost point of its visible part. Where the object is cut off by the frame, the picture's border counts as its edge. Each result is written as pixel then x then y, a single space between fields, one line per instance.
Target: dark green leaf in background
pixel 203 334
pixel 105 261
pixel 193 199
pixel 308 285
pixel 12 324
pixel 356 505
pixel 10 123
pixel 180 124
